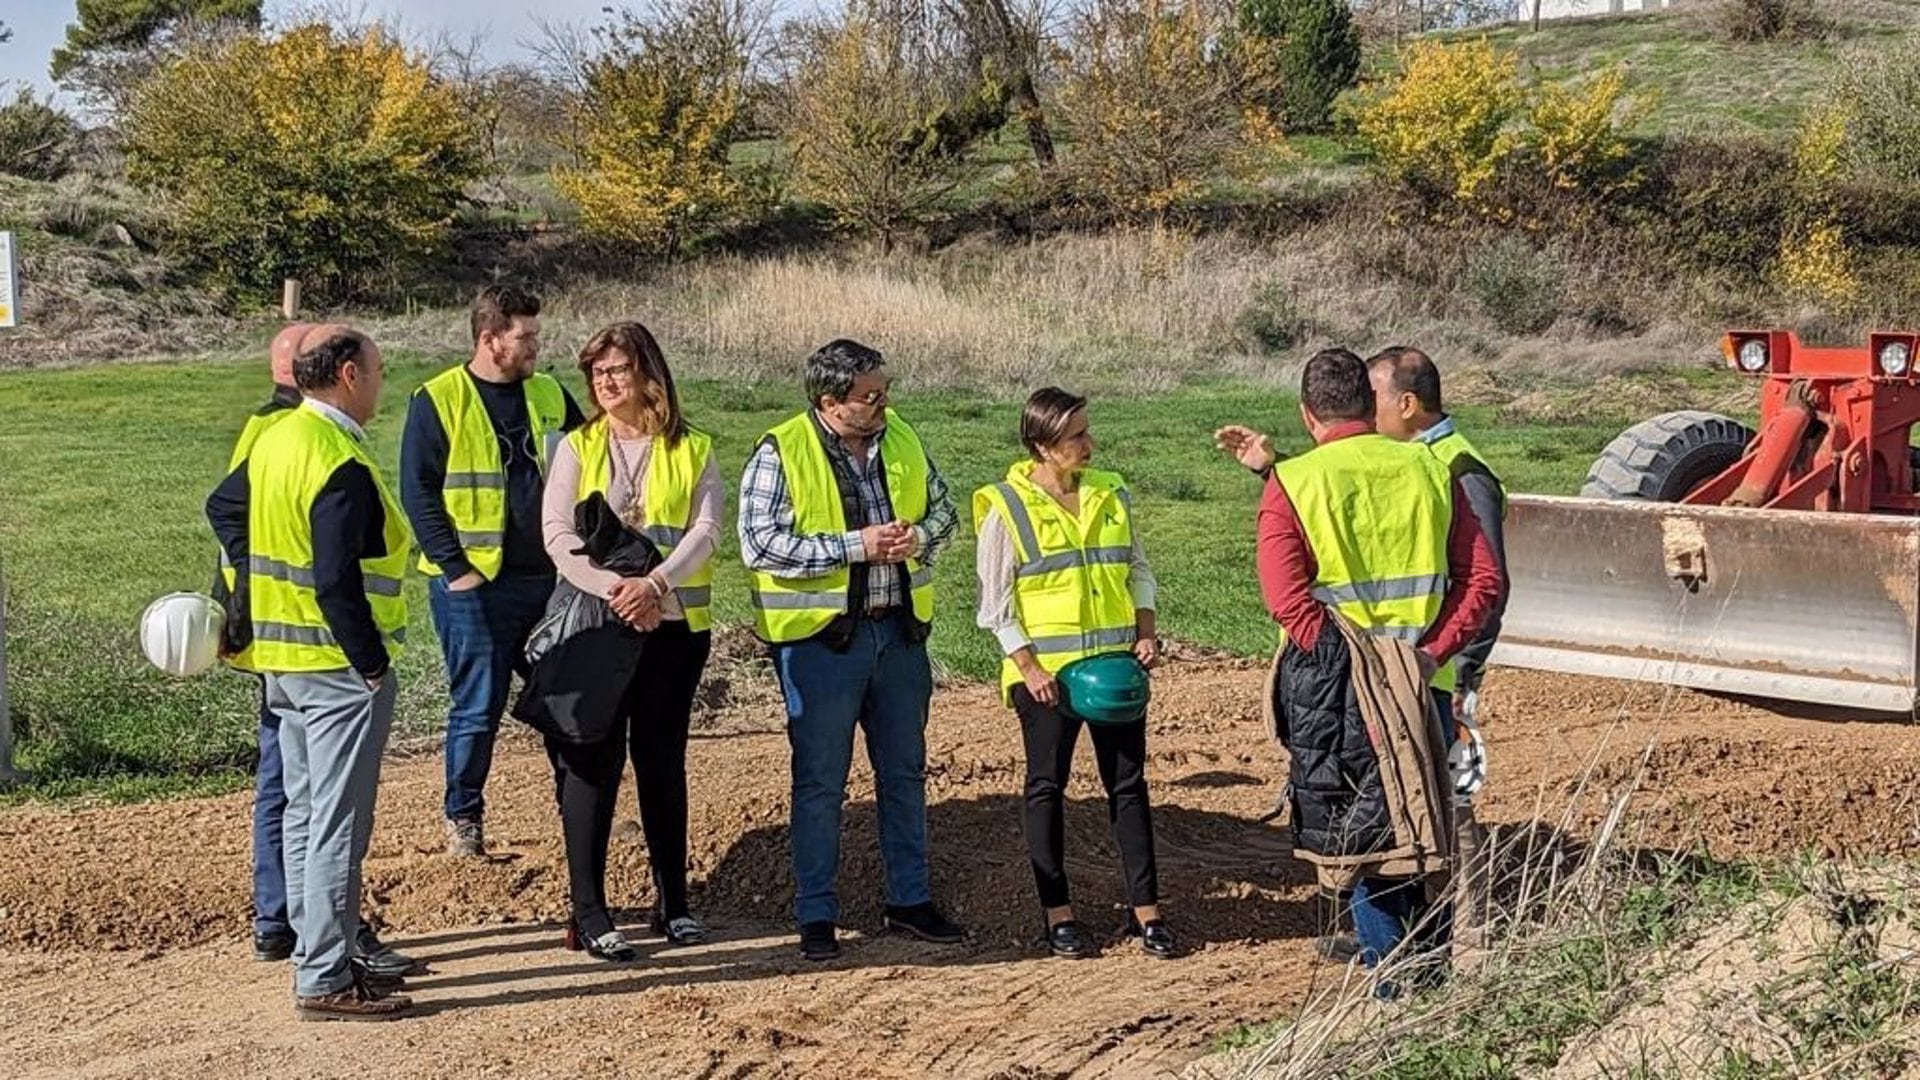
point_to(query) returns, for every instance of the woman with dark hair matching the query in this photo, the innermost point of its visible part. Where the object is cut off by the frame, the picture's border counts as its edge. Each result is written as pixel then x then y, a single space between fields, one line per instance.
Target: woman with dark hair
pixel 657 472
pixel 1063 578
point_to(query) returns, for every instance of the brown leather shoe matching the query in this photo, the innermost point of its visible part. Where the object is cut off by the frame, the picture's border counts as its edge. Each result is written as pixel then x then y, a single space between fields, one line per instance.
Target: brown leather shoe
pixel 356 1002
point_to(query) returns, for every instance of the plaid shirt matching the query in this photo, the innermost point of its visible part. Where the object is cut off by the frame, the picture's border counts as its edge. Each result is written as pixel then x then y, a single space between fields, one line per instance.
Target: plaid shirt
pixel 769 543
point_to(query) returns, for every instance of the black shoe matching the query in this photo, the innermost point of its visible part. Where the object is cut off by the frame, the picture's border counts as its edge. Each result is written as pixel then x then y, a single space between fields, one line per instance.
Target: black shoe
pixel 1337 948
pixel 1155 939
pixel 273 945
pixel 375 956
pixel 819 941
pixel 379 983
pixel 925 922
pixel 1069 941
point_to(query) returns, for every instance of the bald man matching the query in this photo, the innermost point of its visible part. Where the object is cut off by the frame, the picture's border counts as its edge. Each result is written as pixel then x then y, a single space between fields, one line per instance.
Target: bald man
pixel 273 936
pixel 272 933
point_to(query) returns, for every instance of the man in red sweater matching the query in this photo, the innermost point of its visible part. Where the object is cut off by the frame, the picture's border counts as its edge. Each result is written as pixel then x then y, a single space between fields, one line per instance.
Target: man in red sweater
pixel 1378 530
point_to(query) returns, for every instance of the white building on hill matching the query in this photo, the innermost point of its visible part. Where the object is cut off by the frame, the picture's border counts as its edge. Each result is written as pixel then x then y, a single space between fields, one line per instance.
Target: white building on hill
pixel 1568 9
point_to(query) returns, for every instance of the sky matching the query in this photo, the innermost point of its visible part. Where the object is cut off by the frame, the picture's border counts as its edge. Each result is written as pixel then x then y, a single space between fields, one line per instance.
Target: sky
pixel 40 25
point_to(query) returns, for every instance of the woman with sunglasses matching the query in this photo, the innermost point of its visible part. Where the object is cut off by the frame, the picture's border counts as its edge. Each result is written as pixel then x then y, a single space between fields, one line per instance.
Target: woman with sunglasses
pixel 657 472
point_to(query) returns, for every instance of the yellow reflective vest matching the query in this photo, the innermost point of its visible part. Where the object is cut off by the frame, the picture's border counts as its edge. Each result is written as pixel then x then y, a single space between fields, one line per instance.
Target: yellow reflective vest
pixel 1376 514
pixel 1071 573
pixel 787 610
pixel 673 471
pixel 288 467
pixel 257 424
pixel 1459 455
pixel 475 492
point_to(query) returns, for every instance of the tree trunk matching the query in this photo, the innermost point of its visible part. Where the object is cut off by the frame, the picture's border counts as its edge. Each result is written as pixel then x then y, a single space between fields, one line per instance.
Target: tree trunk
pixel 1027 101
pixel 1536 16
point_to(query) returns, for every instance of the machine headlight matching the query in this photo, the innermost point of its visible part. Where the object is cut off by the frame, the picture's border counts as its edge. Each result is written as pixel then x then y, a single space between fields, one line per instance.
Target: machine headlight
pixel 1753 356
pixel 1895 357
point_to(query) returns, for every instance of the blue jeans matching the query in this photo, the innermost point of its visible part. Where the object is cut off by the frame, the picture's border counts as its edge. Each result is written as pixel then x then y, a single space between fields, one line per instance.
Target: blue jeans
pixel 269 806
pixel 1386 910
pixel 483 632
pixel 882 683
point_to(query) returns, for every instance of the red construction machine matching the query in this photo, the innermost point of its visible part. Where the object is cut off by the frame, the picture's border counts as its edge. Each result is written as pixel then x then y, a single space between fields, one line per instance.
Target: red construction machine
pixel 1780 565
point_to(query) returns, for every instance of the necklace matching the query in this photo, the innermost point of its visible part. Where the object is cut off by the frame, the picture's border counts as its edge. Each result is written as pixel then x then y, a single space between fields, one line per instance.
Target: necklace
pixel 635 512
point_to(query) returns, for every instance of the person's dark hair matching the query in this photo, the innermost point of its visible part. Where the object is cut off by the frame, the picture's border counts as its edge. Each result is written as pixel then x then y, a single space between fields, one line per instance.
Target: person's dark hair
pixel 652 379
pixel 1413 373
pixel 498 305
pixel 318 368
pixel 1045 418
pixel 833 367
pixel 1334 386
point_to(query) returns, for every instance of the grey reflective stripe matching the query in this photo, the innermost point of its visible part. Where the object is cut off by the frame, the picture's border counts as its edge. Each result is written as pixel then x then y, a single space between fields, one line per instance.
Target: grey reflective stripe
pixel 1087 642
pixel 481 539
pixel 829 601
pixel 920 578
pixel 1409 634
pixel 475 480
pixel 1067 560
pixel 295 634
pixel 695 596
pixel 664 535
pixel 302 576
pixel 280 571
pixel 1379 592
pixel 226 563
pixel 291 634
pixel 1022 522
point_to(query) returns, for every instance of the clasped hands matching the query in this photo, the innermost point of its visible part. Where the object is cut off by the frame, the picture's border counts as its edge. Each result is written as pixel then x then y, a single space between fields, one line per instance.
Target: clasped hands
pixel 896 541
pixel 636 602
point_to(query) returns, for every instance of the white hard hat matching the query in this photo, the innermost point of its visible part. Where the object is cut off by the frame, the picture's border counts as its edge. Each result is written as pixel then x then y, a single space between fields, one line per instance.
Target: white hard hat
pixel 180 633
pixel 1467 760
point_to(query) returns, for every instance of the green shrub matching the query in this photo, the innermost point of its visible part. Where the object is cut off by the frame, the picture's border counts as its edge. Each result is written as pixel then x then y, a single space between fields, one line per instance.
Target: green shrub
pixel 1714 205
pixel 1518 287
pixel 337 159
pixel 1770 20
pixel 1272 321
pixel 37 141
pixel 1315 52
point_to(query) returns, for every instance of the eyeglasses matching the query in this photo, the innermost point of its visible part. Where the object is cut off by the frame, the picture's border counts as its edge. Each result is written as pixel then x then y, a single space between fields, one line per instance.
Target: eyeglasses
pixel 873 398
pixel 613 373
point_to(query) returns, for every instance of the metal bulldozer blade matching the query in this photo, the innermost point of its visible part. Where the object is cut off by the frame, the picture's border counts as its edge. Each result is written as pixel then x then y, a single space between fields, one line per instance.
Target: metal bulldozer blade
pixel 1814 607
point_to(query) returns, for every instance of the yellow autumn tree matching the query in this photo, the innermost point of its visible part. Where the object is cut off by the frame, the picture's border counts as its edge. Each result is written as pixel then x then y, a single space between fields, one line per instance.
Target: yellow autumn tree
pixel 1155 93
pixel 336 158
pixel 658 108
pixel 1578 132
pixel 1446 124
pixel 1816 262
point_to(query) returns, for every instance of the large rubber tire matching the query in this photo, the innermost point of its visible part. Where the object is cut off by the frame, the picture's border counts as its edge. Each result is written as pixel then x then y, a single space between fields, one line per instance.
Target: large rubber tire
pixel 1662 459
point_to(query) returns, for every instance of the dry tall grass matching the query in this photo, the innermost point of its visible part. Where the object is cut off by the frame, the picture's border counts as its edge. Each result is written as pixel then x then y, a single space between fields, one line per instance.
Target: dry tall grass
pixel 1136 310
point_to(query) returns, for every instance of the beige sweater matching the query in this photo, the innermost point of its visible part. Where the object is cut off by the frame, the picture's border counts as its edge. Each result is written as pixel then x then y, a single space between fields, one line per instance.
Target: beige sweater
pixel 556 520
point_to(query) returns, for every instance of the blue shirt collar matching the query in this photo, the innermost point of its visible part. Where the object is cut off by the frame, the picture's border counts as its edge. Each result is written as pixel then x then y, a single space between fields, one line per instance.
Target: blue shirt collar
pixel 1437 432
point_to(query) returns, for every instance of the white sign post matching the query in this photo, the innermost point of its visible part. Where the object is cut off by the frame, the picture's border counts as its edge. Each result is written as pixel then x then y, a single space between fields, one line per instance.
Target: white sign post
pixel 9 284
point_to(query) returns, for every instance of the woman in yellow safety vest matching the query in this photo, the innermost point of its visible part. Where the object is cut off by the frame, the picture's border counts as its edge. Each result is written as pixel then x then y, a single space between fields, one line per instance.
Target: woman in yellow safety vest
pixel 1062 577
pixel 640 454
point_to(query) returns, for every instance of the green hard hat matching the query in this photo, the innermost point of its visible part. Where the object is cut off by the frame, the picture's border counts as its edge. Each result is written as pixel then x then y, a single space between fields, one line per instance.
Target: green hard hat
pixel 1111 688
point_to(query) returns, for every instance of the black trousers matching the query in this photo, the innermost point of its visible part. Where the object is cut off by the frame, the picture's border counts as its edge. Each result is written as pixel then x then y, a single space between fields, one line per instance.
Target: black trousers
pixel 1121 752
pixel 652 728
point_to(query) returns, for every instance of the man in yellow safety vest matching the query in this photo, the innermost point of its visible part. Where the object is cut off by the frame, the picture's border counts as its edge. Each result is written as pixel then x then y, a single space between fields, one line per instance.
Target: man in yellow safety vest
pixel 324 548
pixel 472 469
pixel 841 515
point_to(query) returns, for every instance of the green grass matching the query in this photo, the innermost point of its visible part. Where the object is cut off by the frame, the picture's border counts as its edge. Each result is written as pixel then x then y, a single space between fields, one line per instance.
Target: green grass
pixel 1700 81
pixel 107 469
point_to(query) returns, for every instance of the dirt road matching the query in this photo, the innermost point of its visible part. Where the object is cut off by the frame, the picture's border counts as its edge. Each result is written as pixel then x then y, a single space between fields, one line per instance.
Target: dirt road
pixel 122 929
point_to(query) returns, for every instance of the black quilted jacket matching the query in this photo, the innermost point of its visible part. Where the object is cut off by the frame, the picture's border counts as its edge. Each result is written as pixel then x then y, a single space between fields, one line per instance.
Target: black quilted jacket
pixel 1338 806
